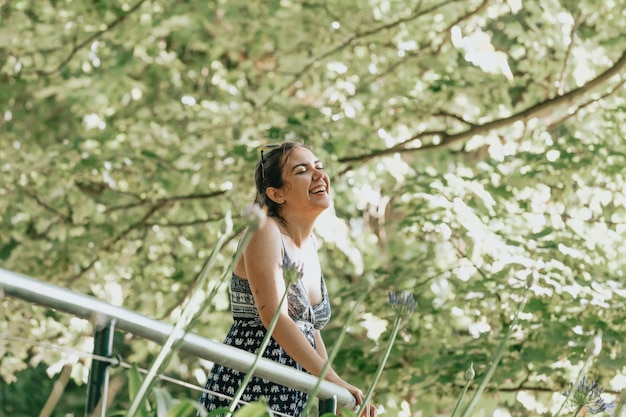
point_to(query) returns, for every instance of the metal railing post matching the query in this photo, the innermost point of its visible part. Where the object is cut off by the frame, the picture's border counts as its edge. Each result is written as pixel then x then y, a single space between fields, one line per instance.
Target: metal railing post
pixel 98 385
pixel 327 405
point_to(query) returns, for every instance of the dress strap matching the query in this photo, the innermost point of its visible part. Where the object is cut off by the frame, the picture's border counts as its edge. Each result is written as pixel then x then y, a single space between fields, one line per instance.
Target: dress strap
pixel 282 241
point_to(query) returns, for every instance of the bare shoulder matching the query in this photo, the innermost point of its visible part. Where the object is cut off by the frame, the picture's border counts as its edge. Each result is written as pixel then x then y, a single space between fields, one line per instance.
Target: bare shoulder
pixel 267 235
pixel 264 249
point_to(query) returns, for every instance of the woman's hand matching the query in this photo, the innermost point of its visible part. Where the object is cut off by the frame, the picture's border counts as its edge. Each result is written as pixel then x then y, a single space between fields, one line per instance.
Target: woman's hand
pixel 369 410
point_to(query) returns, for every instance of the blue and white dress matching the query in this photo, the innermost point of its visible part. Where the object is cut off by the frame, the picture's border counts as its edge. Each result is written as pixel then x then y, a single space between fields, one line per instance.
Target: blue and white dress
pixel 247 333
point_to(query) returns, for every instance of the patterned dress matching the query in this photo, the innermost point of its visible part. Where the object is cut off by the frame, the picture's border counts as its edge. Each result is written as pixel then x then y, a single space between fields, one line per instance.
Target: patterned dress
pixel 247 333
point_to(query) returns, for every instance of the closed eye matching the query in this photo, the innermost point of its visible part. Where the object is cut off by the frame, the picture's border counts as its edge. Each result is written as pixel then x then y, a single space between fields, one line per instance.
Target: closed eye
pixel 306 170
pixel 305 166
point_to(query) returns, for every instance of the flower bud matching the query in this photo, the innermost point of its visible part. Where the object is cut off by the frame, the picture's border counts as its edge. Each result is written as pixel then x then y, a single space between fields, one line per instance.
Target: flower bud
pixel 402 304
pixel 594 346
pixel 227 225
pixel 470 373
pixel 532 279
pixel 255 216
pixel 291 271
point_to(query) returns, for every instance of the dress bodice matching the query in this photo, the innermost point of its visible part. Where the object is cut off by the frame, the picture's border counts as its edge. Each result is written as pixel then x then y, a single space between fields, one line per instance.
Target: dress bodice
pixel 298 301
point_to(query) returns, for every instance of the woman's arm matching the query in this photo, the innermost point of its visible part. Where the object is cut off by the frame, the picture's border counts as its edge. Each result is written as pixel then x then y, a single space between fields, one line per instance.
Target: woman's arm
pixel 263 263
pixel 263 258
pixel 320 347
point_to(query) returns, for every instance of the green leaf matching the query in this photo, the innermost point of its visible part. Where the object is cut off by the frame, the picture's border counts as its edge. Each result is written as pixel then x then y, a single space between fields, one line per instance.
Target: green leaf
pixel 218 412
pixel 163 401
pixel 5 250
pixel 184 408
pixel 121 120
pixel 255 409
pixel 150 154
pixel 544 232
pixel 134 382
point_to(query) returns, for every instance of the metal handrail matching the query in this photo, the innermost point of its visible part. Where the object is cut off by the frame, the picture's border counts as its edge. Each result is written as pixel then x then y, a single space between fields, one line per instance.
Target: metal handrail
pixel 90 308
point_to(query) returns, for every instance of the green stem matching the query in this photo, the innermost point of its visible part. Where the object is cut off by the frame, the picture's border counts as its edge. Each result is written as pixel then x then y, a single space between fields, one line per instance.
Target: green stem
pixel 177 334
pixel 227 272
pixel 458 402
pixel 580 407
pixel 381 366
pixel 496 359
pixel 333 353
pixel 266 340
pixel 242 246
pixel 582 371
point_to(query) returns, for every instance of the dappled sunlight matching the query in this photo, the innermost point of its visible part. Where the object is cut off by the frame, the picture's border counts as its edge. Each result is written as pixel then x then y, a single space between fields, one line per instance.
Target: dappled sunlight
pixel 375 326
pixel 476 155
pixel 479 51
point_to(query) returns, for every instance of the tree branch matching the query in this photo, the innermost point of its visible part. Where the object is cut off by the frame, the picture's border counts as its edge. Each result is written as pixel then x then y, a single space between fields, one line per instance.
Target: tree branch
pixel 443 113
pixel 348 41
pixel 90 39
pixel 47 207
pixel 568 53
pixel 166 200
pixel 448 34
pixel 409 55
pixel 58 389
pixel 183 224
pixel 588 103
pixel 156 206
pixel 539 110
pixel 412 55
pixel 122 235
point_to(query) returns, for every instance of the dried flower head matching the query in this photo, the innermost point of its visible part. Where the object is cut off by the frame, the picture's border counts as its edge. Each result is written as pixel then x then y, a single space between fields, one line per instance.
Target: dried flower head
pixel 292 272
pixel 255 216
pixel 227 226
pixel 587 395
pixel 402 304
pixel 594 346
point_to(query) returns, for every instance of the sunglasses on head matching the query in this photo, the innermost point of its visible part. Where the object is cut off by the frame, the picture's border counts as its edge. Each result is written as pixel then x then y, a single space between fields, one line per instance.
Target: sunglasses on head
pixel 266 148
pixel 269 147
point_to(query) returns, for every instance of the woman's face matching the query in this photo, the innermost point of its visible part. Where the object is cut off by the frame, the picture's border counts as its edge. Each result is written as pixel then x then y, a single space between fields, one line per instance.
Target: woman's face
pixel 306 183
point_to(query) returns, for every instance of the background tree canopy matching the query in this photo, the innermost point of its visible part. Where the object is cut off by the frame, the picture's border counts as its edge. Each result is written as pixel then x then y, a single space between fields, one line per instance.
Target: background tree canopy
pixel 475 148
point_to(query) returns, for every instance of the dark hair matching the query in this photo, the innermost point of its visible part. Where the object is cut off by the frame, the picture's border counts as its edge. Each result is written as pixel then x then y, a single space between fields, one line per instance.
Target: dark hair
pixel 269 173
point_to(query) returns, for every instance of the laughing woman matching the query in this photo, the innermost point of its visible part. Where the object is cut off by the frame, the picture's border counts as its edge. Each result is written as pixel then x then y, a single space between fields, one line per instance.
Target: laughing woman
pixel 294 188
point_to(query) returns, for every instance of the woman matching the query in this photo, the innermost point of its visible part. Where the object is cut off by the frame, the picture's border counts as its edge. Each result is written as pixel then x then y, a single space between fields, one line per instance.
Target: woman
pixel 294 188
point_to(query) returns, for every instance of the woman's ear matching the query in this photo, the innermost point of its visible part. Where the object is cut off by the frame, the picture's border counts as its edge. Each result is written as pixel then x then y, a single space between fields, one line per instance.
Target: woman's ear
pixel 275 194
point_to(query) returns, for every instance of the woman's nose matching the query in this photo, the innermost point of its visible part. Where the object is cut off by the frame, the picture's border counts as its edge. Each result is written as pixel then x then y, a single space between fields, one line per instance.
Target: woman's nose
pixel 318 173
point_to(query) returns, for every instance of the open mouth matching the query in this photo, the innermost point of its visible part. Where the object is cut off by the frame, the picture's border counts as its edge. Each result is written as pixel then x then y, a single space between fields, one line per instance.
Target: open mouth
pixel 318 190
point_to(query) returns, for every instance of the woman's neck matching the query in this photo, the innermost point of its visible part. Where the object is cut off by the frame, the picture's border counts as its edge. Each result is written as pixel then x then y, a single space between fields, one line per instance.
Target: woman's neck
pixel 299 232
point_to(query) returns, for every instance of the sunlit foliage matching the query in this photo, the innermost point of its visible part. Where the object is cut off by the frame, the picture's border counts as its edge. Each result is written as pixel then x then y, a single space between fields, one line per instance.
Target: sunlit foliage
pixel 474 147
